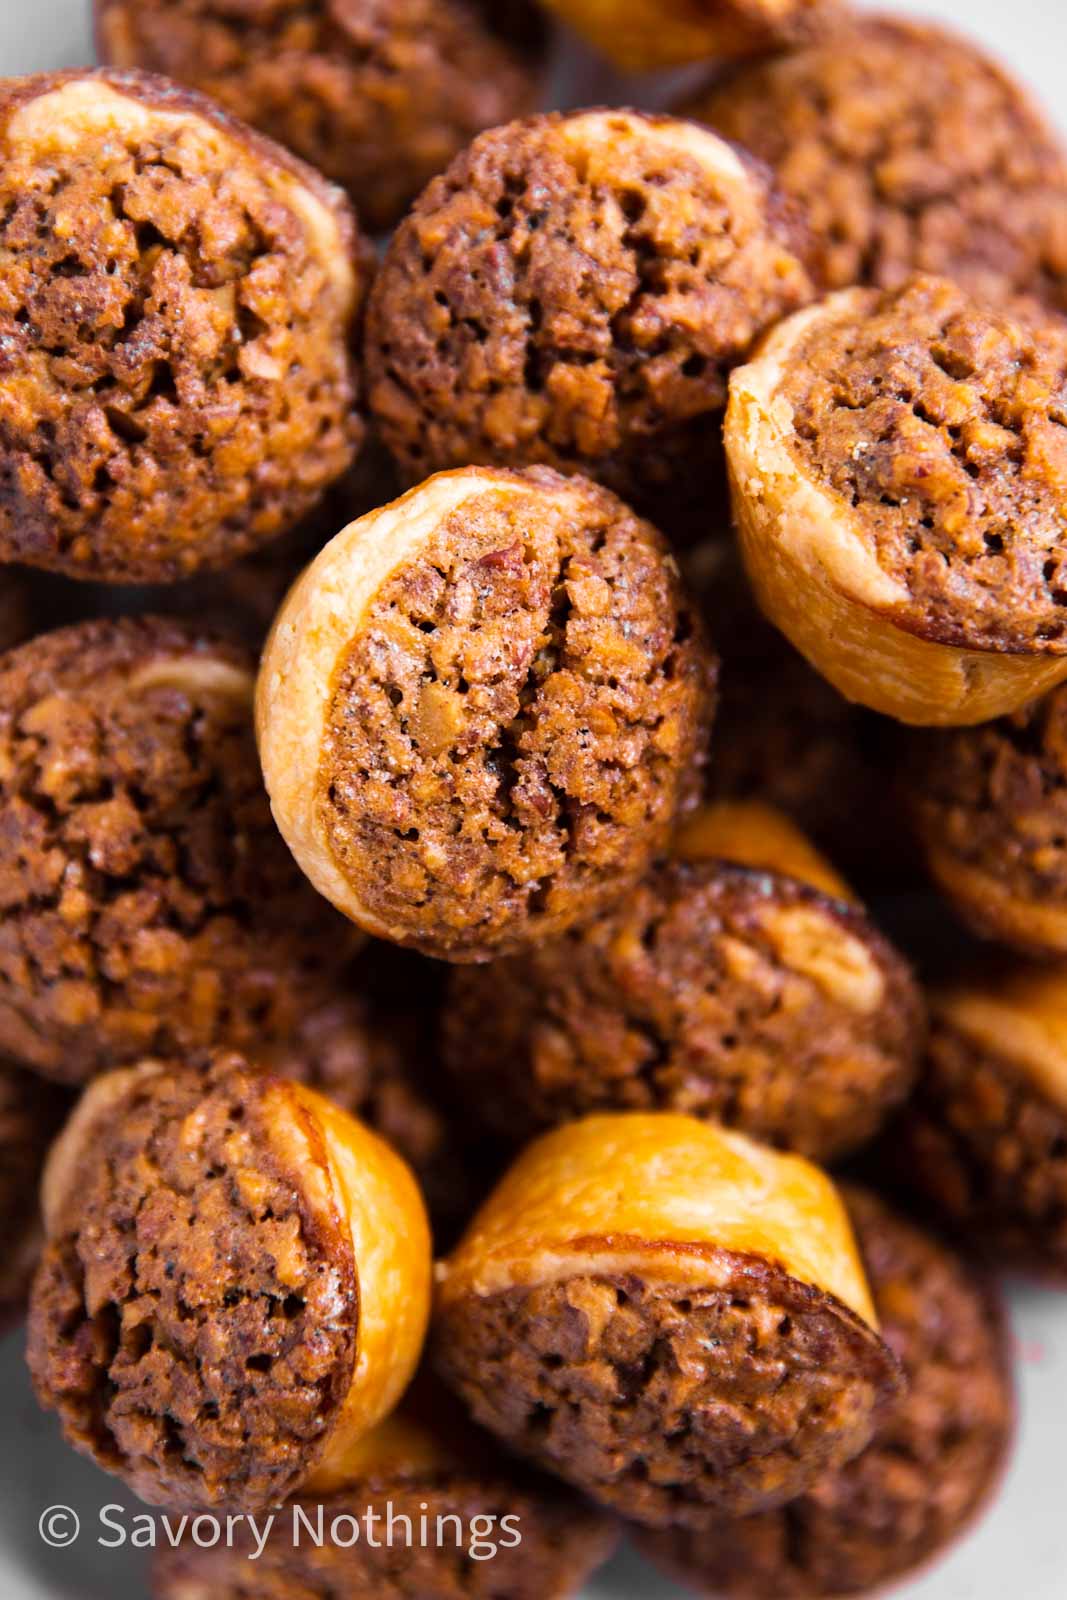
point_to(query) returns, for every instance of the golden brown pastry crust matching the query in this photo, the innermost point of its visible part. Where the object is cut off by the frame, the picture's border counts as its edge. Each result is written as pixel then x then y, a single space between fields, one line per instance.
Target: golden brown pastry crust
pixel 234 1287
pixel 672 1240
pixel 760 836
pixel 899 603
pixel 373 1053
pixel 481 708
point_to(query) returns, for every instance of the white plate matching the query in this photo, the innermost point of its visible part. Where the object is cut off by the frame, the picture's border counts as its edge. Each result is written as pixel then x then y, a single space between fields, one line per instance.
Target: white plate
pixel 1019 1552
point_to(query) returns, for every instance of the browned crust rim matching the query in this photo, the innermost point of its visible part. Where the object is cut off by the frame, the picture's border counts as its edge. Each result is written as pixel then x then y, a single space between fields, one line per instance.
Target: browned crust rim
pixel 324 616
pixel 864 1362
pixel 159 93
pixel 162 94
pixel 850 912
pixel 956 638
pixel 877 1362
pixel 1031 922
pixel 782 212
pixel 906 615
pixel 128 643
pixel 655 121
pixel 726 29
pixel 324 1236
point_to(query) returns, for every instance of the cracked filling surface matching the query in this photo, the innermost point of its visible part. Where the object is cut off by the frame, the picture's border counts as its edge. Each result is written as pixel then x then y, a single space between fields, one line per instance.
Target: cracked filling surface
pixel 908 150
pixel 927 1471
pixel 195 1315
pixel 994 798
pixel 176 384
pixel 515 724
pixel 940 429
pixel 575 290
pixel 377 94
pixel 740 996
pixel 665 1401
pixel 147 902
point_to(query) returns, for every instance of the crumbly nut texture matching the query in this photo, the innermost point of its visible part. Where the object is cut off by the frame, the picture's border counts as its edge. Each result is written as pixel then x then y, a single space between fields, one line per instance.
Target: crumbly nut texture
pixel 562 1541
pixel 927 1473
pixel 377 94
pixel 667 1402
pixel 908 151
pixel 940 428
pixel 742 996
pixel 574 290
pixel 516 721
pixel 195 1317
pixel 988 1147
pixel 177 305
pixel 993 800
pixel 31 1113
pixel 243 599
pixel 148 904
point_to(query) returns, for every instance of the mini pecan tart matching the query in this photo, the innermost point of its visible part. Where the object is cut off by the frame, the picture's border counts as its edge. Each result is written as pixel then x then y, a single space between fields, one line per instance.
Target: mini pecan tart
pixel 234 1287
pixel 481 709
pixel 896 464
pixel 178 302
pixel 574 291
pixel 667 1315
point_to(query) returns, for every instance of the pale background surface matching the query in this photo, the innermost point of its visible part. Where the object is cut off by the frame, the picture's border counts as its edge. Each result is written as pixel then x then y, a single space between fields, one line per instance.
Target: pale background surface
pixel 1020 1550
